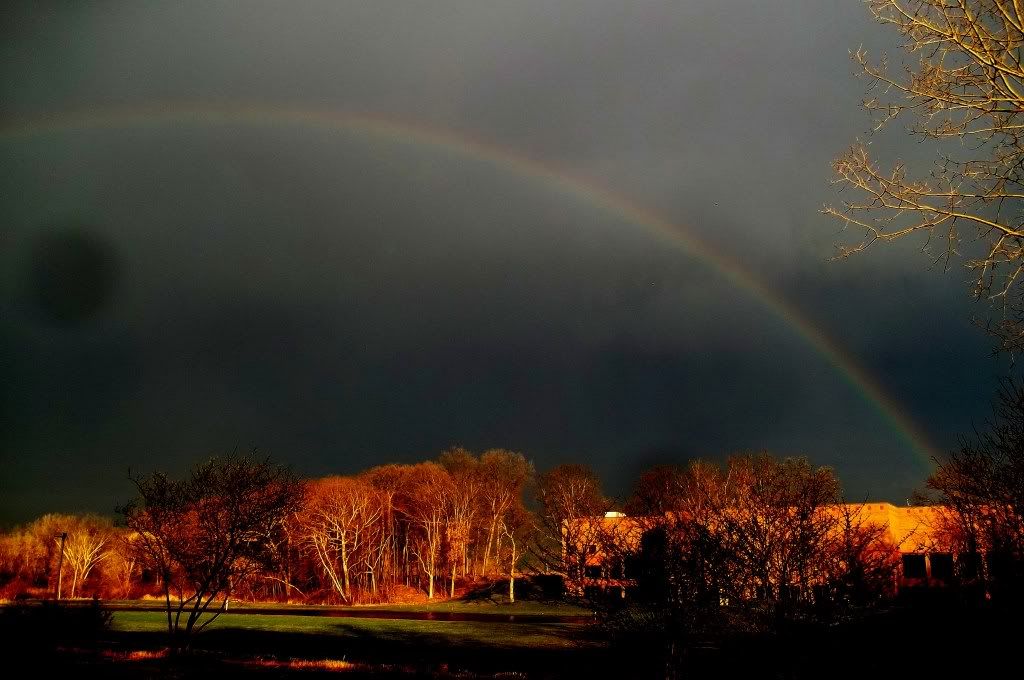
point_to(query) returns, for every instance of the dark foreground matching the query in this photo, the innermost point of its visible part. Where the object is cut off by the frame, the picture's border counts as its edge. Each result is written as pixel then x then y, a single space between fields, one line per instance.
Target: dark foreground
pixel 915 638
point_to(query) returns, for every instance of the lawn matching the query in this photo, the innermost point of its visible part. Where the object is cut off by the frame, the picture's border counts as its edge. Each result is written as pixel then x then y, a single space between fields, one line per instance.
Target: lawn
pixel 452 634
pixel 418 646
pixel 489 605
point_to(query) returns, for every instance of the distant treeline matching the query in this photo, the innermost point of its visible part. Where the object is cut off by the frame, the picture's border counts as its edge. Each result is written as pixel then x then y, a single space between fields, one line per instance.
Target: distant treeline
pixel 391 532
pixel 755 527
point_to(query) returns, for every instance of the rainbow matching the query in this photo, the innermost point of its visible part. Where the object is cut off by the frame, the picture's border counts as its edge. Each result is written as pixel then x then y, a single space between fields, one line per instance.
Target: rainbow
pixel 509 160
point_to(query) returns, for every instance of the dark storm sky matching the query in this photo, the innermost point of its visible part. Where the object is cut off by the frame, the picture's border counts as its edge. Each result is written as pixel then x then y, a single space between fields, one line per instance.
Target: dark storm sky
pixel 341 300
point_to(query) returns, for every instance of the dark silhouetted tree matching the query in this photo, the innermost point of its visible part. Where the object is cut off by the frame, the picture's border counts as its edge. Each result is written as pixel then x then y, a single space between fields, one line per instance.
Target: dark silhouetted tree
pixel 205 533
pixel 982 485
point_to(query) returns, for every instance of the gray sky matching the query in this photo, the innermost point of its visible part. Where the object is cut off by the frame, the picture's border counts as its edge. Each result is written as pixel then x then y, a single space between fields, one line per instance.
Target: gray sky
pixel 168 291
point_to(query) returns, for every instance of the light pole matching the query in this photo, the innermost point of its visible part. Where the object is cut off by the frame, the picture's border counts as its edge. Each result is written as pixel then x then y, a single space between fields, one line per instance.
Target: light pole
pixel 60 561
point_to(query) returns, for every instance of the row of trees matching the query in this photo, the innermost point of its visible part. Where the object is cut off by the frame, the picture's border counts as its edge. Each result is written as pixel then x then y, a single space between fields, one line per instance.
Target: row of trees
pixel 748 544
pixel 251 528
pixel 61 554
pixel 756 524
pixel 439 522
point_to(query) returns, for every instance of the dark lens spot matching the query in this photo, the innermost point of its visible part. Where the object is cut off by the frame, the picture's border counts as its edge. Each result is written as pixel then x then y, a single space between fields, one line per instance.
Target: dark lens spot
pixel 72 275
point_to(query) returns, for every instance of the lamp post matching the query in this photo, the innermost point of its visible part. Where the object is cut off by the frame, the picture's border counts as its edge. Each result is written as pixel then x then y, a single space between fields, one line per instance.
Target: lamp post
pixel 60 561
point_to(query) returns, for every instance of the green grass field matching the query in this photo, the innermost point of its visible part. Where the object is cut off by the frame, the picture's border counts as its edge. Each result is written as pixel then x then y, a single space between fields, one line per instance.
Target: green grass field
pixel 136 641
pixel 489 606
pixel 498 605
pixel 453 634
pixel 416 646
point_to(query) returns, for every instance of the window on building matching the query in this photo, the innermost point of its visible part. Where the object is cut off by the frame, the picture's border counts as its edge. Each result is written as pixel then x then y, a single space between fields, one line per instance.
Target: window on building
pixel 593 572
pixel 942 566
pixel 914 566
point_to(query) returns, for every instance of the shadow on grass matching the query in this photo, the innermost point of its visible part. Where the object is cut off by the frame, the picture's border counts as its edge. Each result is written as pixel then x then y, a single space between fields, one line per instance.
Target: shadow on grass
pixel 533 588
pixel 47 625
pixel 562 651
pixel 930 636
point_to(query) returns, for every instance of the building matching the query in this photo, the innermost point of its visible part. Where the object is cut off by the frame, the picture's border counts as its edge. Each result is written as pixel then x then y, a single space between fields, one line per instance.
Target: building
pixel 921 536
pixel 596 550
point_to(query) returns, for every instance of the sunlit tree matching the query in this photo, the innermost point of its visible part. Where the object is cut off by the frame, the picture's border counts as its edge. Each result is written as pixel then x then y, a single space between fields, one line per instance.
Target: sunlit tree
pixel 462 508
pixel 568 526
pixel 341 525
pixel 428 495
pixel 85 546
pixel 505 475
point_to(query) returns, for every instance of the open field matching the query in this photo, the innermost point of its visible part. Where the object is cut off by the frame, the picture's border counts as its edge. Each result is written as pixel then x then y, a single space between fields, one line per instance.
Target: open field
pixel 281 643
pixel 451 634
pixel 482 606
pixel 934 635
pixel 411 645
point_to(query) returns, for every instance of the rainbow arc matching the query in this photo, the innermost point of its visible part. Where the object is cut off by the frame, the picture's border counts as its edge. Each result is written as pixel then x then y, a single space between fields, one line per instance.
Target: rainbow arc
pixel 578 188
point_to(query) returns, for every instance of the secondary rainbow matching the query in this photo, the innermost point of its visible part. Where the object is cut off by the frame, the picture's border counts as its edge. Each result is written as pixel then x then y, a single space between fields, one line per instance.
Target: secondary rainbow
pixel 406 132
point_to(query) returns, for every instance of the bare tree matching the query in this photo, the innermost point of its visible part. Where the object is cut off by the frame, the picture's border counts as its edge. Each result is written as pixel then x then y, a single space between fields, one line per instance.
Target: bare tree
pixel 982 484
pixel 859 559
pixel 967 86
pixel 84 547
pixel 339 524
pixel 504 475
pixel 33 554
pixel 513 527
pixel 29 553
pixel 465 499
pixel 121 566
pixel 392 549
pixel 752 535
pixel 207 532
pixel 658 490
pixel 569 526
pixel 430 490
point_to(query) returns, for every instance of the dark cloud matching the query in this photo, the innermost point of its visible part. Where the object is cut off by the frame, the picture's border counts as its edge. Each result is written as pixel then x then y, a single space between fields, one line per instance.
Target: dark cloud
pixel 340 299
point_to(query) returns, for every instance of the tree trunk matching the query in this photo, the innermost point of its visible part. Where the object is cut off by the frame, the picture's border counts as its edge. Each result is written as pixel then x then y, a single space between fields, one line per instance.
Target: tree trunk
pixel 344 570
pixel 490 542
pixel 430 580
pixel 512 575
